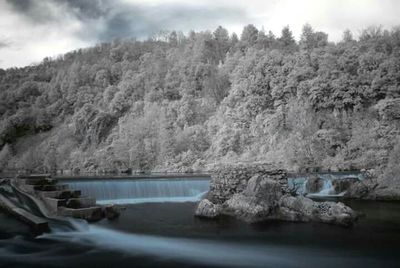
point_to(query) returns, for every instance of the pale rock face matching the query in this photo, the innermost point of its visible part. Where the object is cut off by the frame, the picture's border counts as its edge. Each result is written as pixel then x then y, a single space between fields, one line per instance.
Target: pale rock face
pixel 207 209
pixel 342 185
pixel 358 190
pixel 257 202
pixel 314 184
pixel 304 209
pixel 264 197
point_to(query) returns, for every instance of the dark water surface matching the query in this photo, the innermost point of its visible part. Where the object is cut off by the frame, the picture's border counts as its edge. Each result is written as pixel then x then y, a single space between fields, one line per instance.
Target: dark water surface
pixel 167 235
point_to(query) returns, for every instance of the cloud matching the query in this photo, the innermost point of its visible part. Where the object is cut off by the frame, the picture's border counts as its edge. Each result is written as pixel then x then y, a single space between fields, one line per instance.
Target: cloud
pixel 142 21
pixel 40 28
pixel 4 44
pixel 105 20
pixel 51 27
pixel 46 10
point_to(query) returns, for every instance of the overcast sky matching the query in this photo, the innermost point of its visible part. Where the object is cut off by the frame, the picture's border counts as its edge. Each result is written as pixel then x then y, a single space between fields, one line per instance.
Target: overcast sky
pixel 33 29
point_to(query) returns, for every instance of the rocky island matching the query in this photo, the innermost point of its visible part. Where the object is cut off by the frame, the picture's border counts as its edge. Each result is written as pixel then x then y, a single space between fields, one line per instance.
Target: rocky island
pixel 256 193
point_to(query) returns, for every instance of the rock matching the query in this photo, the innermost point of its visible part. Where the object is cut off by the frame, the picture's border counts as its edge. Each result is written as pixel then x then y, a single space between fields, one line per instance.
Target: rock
pixel 246 208
pixel 357 190
pixel 111 212
pixel 257 202
pixel 263 189
pixel 342 185
pixel 304 209
pixel 314 184
pixel 232 179
pixel 207 209
pixel 385 194
pixel 264 196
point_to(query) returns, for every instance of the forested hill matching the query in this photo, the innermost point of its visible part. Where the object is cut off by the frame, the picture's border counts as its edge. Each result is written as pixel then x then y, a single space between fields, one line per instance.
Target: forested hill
pixel 178 102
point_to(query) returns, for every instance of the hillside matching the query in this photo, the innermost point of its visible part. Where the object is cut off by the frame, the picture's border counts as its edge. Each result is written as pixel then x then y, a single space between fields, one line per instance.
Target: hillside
pixel 182 103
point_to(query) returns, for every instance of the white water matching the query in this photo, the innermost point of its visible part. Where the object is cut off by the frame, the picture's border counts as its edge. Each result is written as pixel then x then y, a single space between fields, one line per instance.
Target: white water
pixel 327 190
pixel 124 191
pixel 198 251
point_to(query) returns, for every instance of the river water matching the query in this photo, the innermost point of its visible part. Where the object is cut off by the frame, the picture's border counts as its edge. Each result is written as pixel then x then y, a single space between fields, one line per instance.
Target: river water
pixel 165 234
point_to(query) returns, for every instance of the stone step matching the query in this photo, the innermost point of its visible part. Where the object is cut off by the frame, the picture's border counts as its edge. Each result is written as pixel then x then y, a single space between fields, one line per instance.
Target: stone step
pixel 39 224
pixel 64 194
pixel 53 203
pixel 33 176
pixel 46 181
pixel 81 202
pixel 57 187
pixel 90 214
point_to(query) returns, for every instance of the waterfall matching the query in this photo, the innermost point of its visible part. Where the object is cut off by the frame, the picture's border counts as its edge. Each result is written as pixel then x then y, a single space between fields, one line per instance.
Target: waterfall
pixel 126 191
pixel 327 190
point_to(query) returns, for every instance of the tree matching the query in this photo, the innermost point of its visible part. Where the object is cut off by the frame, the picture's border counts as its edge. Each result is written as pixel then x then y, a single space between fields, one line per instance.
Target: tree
pixel 221 37
pixel 249 35
pixel 347 36
pixel 173 39
pixel 310 39
pixel 287 40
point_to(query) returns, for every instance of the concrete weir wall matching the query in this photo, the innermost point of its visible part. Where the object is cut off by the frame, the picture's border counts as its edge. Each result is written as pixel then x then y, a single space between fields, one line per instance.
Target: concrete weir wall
pixel 38 224
pixel 53 202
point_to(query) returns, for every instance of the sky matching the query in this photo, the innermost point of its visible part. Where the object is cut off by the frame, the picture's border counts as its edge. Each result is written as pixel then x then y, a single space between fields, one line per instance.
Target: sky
pixel 33 29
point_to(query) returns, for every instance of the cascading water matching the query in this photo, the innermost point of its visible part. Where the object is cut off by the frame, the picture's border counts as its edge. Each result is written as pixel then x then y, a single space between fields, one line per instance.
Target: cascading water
pixel 327 189
pixel 125 191
pixel 298 184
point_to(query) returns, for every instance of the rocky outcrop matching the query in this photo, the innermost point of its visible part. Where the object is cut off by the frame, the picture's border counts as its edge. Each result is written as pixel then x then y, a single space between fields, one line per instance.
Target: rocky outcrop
pixel 343 184
pixel 257 202
pixel 228 180
pixel 255 195
pixel 374 187
pixel 111 212
pixel 207 209
pixel 360 190
pixel 385 193
pixel 314 184
pixel 300 208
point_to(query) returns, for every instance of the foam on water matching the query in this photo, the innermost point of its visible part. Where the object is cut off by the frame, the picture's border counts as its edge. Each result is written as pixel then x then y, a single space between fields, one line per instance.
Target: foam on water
pixel 299 184
pixel 126 191
pixel 198 251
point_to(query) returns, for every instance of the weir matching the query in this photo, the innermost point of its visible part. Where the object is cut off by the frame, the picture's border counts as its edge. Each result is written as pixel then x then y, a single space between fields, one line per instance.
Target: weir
pixel 127 191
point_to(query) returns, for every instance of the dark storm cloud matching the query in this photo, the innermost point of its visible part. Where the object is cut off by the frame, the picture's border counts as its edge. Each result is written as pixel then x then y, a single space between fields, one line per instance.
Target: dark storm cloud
pixel 141 21
pixel 37 12
pixel 105 20
pixel 4 43
pixel 50 11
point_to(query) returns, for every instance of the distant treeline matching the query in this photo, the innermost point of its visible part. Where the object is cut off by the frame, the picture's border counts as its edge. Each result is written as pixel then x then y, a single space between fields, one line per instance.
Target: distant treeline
pixel 188 102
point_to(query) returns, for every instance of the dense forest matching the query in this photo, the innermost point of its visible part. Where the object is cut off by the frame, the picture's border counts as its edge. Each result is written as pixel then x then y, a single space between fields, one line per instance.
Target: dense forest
pixel 191 102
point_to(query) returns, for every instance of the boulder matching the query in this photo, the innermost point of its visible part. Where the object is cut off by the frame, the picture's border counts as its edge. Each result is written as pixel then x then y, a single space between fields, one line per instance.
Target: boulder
pixel 231 179
pixel 257 202
pixel 342 185
pixel 360 190
pixel 111 212
pixel 300 208
pixel 314 184
pixel 206 209
pixel 385 193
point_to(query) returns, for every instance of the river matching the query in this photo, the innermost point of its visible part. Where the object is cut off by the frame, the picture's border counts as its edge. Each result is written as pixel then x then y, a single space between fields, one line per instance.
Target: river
pixel 159 233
